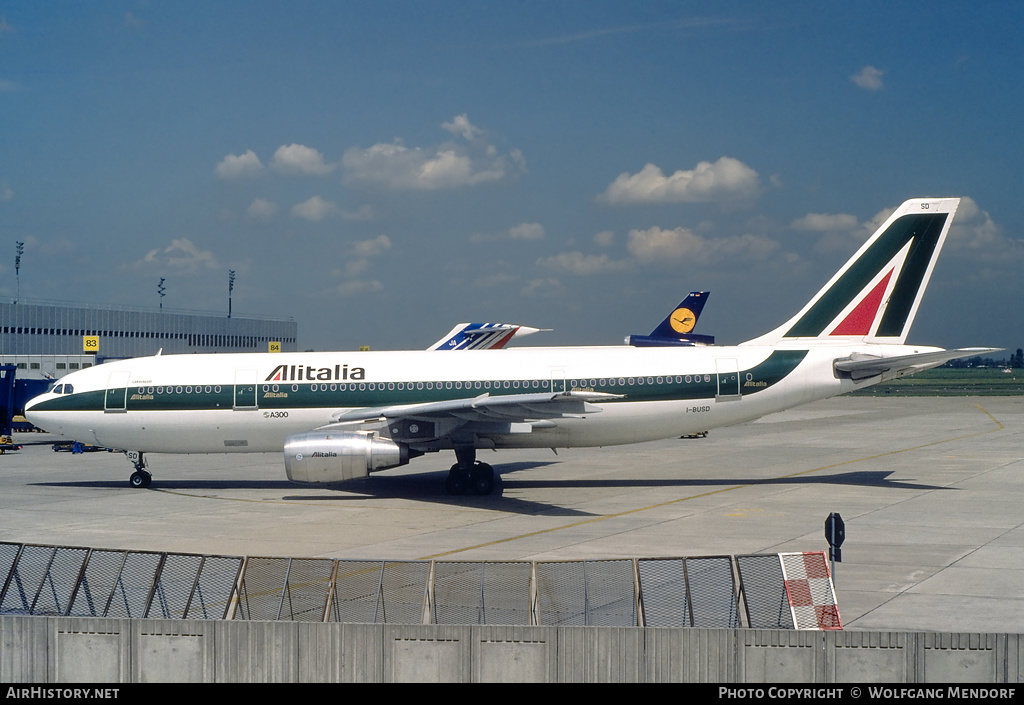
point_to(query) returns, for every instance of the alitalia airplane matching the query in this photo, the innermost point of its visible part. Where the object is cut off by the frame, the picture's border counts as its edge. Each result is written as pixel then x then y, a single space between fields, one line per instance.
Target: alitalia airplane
pixel 341 416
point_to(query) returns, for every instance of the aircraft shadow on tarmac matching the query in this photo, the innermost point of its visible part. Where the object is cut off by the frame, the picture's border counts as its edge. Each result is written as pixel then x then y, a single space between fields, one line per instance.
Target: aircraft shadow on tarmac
pixel 429 487
pixel 421 487
pixel 865 478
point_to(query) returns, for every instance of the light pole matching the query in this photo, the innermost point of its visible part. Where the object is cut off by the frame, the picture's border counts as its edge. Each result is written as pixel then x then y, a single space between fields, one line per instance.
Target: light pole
pixel 160 289
pixel 231 288
pixel 19 248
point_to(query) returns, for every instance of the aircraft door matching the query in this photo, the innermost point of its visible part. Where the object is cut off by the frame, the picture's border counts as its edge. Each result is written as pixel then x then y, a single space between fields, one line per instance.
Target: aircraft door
pixel 558 381
pixel 728 379
pixel 245 389
pixel 116 396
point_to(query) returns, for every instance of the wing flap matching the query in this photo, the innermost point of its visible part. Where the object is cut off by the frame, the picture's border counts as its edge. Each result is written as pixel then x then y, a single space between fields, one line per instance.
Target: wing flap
pixel 541 405
pixel 433 420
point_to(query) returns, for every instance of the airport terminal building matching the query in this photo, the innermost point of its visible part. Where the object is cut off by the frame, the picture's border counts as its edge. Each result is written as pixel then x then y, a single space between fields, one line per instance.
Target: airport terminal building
pixel 51 339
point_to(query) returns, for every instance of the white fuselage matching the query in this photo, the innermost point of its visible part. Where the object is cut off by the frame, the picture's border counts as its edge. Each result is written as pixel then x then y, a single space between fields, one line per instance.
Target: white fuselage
pixel 252 402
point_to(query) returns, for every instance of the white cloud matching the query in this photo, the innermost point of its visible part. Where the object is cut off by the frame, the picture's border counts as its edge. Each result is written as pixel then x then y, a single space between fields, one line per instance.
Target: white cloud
pixel 839 232
pixel 358 286
pixel 826 222
pixel 460 125
pixel 315 209
pixel 605 238
pixel 371 248
pixel 358 261
pixel 262 209
pixel 657 245
pixel 527 231
pixel 580 264
pixel 364 212
pixel 869 78
pixel 495 279
pixel 542 287
pixel 727 179
pixel 523 231
pixel 445 166
pixel 299 160
pixel 6 193
pixel 239 166
pixel 974 233
pixel 182 255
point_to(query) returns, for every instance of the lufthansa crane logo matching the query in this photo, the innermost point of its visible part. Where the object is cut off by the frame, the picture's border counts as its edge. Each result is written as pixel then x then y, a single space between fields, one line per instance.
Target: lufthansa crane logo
pixel 682 320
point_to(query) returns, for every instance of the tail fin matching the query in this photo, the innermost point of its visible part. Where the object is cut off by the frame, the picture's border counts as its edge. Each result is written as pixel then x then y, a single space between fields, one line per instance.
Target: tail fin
pixel 875 296
pixel 675 329
pixel 481 336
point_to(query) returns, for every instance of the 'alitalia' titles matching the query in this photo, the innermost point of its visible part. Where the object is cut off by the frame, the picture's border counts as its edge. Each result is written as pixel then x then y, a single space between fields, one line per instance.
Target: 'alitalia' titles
pixel 308 373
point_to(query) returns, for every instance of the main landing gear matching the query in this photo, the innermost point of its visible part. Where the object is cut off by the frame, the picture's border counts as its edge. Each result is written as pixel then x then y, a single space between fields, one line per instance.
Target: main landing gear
pixel 469 474
pixel 139 478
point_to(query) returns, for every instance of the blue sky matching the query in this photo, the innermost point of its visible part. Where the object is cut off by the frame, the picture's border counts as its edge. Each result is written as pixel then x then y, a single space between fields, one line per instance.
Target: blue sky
pixel 382 170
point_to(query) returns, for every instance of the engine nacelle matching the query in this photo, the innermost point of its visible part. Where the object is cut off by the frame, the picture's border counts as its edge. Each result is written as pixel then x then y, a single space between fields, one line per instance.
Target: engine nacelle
pixel 326 456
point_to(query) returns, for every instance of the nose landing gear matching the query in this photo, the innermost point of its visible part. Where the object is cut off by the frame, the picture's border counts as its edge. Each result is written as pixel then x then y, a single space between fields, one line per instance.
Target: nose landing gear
pixel 139 478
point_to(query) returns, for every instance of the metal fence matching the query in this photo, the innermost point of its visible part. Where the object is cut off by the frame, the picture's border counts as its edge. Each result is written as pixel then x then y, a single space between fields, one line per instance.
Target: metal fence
pixel 705 592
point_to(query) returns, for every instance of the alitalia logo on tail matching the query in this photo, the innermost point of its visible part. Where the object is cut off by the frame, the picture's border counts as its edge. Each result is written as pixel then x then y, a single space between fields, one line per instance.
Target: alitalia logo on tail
pixel 876 294
pixel 308 373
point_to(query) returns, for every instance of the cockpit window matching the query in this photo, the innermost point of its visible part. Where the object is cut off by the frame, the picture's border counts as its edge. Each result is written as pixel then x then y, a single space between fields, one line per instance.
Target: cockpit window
pixel 69 388
pixel 59 389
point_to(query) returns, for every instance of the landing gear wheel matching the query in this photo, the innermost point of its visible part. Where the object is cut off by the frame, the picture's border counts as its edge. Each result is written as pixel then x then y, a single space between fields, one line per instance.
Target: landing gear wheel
pixel 469 474
pixel 478 479
pixel 139 478
pixel 482 478
pixel 458 480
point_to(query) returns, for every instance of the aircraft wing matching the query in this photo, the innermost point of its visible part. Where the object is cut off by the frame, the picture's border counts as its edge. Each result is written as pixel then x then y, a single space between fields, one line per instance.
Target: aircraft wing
pixel 433 420
pixel 862 366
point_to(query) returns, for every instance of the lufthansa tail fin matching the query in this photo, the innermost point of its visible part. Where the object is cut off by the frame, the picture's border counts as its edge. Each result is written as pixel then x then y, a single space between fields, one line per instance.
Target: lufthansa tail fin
pixel 875 296
pixel 677 326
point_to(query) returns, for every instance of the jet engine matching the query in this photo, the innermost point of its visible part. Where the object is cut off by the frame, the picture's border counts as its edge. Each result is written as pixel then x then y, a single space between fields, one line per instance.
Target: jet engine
pixel 336 456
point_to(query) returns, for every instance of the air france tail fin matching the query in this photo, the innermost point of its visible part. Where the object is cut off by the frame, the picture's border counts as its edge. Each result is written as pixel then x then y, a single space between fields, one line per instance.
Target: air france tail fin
pixel 875 296
pixel 677 326
pixel 481 336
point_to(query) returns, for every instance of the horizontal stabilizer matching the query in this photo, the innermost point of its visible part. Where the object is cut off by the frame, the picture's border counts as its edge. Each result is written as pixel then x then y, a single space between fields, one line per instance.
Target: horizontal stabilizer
pixel 688 340
pixel 861 366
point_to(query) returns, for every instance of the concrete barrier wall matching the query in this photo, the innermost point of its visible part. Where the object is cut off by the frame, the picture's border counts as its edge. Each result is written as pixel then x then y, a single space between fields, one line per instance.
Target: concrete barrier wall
pixel 70 649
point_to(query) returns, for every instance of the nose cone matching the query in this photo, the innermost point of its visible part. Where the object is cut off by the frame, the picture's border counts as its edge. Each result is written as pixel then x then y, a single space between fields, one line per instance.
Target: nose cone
pixel 37 415
pixel 30 413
